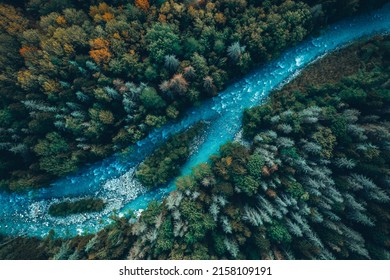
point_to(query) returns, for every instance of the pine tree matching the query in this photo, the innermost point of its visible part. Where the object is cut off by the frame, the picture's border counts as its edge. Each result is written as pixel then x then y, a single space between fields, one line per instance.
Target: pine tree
pixel 235 51
pixel 171 62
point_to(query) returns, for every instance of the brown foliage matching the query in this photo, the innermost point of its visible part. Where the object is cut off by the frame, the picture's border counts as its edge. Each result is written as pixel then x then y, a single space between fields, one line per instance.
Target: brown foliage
pixel 61 20
pixel 271 193
pixel 101 9
pixel 178 84
pixel 27 51
pixel 100 52
pixel 107 17
pixel 102 12
pixel 265 171
pixel 142 4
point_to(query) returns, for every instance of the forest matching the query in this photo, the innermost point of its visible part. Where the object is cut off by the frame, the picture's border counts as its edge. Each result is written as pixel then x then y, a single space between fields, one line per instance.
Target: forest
pixel 313 183
pixel 82 80
pixel 310 180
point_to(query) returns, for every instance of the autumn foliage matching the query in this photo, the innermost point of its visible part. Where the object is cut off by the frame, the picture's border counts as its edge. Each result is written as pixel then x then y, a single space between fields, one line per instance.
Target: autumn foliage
pixel 11 21
pixel 142 4
pixel 100 52
pixel 26 51
pixel 101 12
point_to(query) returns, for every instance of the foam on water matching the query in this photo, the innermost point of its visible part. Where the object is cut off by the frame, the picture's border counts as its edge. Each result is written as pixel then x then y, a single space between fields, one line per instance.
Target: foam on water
pixel 113 178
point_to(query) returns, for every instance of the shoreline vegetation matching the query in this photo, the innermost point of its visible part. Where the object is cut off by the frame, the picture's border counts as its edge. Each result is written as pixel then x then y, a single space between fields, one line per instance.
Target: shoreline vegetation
pixel 83 80
pixel 165 162
pixel 313 184
pixel 84 205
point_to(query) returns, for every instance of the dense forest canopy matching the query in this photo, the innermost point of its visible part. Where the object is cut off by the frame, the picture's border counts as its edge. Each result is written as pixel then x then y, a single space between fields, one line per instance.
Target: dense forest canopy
pixel 310 181
pixel 81 80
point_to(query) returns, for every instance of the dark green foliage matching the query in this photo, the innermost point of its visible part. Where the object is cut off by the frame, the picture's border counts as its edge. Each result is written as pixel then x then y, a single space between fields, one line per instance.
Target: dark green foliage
pixel 165 239
pixel 353 96
pixel 162 40
pixel 297 190
pixel 255 164
pixel 150 214
pixel 22 249
pixel 255 117
pixel 337 9
pixel 151 100
pixel 164 164
pixel 75 207
pixel 279 234
pixel 247 184
pixel 55 155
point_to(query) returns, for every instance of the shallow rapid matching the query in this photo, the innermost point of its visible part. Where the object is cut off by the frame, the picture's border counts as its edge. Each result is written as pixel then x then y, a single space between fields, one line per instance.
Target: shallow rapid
pixel 113 179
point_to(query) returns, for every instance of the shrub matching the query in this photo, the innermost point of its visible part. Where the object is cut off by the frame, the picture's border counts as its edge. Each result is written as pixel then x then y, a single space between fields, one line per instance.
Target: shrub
pixel 76 207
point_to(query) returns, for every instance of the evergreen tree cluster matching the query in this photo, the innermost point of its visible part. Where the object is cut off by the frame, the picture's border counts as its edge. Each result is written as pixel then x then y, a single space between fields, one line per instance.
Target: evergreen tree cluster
pixel 164 164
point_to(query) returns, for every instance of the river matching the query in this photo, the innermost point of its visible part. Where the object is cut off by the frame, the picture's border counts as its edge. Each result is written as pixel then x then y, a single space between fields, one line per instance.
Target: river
pixel 112 179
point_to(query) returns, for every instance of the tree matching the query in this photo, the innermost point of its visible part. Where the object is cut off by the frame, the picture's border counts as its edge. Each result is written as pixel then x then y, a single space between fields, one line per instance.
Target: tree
pixel 171 62
pixel 325 138
pixel 55 157
pixel 235 51
pixel 191 45
pixel 208 84
pixel 161 40
pixel 106 117
pixel 151 100
pixel 100 52
pixel 178 84
pixel 142 4
pixel 11 21
pixel 46 7
pixel 279 233
pixel 255 165
pixel 189 72
pixel 248 185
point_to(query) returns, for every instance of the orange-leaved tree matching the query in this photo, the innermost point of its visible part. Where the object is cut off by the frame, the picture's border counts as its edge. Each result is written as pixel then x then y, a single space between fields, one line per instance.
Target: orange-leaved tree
pixel 100 52
pixel 142 4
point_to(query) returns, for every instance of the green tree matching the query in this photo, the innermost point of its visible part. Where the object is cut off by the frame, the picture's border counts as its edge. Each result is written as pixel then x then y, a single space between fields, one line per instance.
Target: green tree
pixel 235 51
pixel 279 233
pixel 55 155
pixel 162 40
pixel 255 164
pixel 151 100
